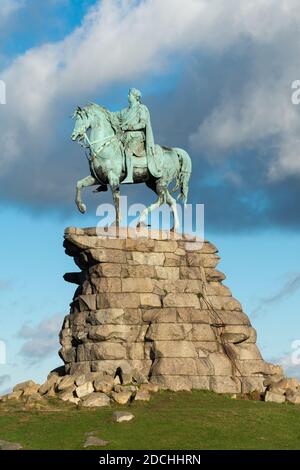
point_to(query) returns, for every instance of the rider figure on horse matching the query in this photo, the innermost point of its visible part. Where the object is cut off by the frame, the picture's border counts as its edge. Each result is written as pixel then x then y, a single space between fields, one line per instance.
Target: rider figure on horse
pixel 106 162
pixel 135 122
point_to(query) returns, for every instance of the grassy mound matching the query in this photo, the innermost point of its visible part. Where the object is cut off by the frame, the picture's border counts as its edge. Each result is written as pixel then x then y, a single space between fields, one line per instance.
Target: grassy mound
pixel 182 420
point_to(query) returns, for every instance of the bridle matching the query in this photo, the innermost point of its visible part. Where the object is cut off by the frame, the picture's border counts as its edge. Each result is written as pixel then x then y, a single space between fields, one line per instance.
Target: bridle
pixel 86 143
pixel 104 143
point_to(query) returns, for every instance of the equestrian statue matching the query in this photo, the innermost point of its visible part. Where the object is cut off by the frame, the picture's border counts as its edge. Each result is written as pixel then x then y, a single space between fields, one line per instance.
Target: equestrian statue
pixel 122 151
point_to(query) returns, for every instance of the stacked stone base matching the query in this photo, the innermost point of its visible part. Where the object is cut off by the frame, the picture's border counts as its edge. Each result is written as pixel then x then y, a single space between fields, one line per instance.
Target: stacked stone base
pixel 151 314
pixel 156 311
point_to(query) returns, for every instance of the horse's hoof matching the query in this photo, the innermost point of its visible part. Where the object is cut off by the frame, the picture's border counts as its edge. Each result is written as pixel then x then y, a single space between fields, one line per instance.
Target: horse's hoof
pixel 127 181
pixel 82 208
pixel 100 189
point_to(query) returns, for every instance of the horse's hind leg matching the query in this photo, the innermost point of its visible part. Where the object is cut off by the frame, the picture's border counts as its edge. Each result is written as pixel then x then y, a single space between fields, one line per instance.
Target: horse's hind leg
pixel 156 187
pixel 148 210
pixel 85 182
pixel 172 203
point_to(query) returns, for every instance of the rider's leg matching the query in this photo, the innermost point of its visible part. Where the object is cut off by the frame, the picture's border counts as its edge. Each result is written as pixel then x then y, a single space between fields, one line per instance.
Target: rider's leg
pixel 129 168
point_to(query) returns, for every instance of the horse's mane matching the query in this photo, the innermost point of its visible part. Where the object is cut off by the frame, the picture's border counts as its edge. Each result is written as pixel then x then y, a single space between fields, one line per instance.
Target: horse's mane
pixel 97 108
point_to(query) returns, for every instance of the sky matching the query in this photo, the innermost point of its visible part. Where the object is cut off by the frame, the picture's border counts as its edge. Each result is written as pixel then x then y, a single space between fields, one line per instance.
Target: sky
pixel 217 78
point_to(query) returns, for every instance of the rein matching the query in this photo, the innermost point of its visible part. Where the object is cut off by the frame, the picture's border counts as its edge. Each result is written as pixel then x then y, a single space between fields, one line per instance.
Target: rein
pixel 94 155
pixel 106 142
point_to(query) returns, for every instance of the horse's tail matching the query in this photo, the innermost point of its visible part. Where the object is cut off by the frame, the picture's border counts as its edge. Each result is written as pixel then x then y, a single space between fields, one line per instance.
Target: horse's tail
pixel 184 174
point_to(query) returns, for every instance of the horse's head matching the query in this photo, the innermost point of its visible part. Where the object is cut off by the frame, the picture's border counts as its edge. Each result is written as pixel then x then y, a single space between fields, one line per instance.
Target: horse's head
pixel 82 123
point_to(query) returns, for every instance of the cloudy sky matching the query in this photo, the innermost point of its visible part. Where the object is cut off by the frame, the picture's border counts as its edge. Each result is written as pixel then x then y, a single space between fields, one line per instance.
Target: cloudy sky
pixel 217 77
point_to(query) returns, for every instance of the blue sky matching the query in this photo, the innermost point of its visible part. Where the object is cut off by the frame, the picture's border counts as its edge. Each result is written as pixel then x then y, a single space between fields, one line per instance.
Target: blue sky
pixel 221 92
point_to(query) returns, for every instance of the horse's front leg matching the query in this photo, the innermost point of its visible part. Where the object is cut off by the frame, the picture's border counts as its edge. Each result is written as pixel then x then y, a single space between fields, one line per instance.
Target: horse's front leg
pixel 84 183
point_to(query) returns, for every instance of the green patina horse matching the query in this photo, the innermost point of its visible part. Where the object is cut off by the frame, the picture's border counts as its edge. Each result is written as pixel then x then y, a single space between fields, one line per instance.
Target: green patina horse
pixel 107 162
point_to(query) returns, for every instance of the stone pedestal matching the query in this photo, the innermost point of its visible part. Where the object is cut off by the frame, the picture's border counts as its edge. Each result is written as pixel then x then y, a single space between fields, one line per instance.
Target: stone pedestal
pixel 156 310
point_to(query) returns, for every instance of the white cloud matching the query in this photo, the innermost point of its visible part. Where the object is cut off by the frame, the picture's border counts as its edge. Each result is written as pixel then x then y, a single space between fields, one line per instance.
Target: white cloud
pixel 4 379
pixel 114 43
pixel 260 113
pixel 8 7
pixel 121 40
pixel 40 340
pixel 289 365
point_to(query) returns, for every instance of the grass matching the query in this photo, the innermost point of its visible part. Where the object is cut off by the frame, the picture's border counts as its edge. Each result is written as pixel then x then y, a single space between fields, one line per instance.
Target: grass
pixel 197 420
